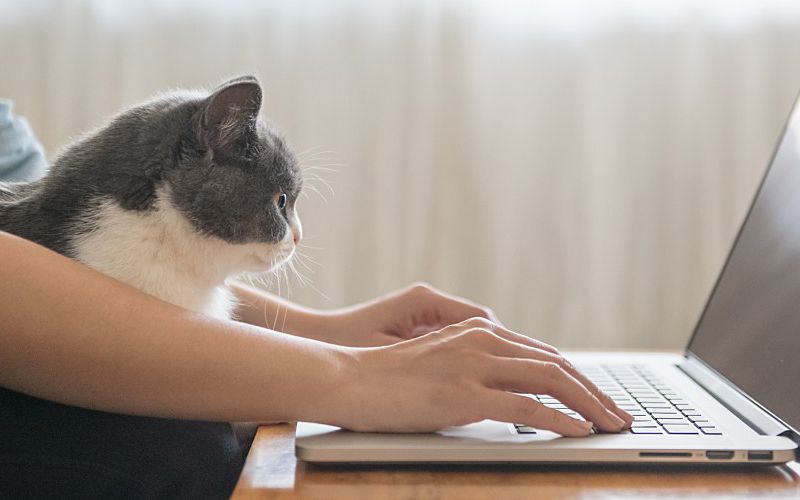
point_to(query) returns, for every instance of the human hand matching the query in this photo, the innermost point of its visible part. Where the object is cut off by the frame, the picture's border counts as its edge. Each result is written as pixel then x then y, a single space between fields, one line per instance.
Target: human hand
pixel 405 314
pixel 467 372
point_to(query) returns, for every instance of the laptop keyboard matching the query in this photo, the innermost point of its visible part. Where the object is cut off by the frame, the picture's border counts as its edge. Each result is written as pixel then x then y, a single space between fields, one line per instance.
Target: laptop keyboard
pixel 655 406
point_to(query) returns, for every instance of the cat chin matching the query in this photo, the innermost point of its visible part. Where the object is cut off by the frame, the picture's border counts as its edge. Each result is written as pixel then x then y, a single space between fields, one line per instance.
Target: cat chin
pixel 269 261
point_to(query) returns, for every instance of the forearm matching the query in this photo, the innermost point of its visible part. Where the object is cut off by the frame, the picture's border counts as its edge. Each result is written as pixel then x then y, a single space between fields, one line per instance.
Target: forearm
pixel 75 336
pixel 260 308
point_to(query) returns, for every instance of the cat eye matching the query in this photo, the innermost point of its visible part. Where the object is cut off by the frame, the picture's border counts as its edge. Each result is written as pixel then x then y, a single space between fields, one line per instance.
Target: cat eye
pixel 282 201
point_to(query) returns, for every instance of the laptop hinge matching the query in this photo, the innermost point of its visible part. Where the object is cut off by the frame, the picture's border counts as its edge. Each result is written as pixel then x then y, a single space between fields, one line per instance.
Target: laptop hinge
pixel 741 405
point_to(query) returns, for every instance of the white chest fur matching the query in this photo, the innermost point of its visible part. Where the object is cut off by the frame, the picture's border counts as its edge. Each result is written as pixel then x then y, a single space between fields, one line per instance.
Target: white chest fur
pixel 159 253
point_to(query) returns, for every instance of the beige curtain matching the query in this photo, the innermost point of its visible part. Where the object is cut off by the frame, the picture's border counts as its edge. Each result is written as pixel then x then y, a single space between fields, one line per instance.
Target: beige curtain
pixel 580 166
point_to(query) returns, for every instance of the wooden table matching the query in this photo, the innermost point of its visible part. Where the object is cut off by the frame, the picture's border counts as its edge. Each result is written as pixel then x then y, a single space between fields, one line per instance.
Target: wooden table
pixel 272 471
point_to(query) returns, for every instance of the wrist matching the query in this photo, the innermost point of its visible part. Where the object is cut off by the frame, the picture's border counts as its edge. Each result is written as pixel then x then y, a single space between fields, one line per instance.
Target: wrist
pixel 339 403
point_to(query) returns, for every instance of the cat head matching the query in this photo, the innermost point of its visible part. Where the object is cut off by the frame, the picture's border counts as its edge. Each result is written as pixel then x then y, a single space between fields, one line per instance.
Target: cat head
pixel 235 179
pixel 196 172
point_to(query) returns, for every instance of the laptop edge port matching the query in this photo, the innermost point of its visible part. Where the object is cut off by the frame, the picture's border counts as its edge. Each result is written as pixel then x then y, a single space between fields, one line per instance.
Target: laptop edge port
pixel 719 454
pixel 759 455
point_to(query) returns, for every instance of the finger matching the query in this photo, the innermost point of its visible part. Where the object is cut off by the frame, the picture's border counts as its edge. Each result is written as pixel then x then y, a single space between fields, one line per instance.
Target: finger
pixel 539 377
pixel 510 344
pixel 554 356
pixel 523 339
pixel 449 309
pixel 513 408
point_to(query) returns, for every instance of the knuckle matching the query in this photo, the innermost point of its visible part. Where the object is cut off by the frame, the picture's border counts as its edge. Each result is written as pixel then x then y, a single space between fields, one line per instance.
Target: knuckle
pixel 470 356
pixel 526 408
pixel 481 335
pixel 553 418
pixel 479 322
pixel 563 363
pixel 552 371
pixel 420 288
pixel 543 416
pixel 548 347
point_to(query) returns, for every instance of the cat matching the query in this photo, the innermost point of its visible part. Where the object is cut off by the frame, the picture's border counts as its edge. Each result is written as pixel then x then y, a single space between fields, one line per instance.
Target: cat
pixel 174 197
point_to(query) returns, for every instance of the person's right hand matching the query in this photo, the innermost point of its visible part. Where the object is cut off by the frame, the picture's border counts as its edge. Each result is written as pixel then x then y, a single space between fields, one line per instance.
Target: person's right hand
pixel 468 372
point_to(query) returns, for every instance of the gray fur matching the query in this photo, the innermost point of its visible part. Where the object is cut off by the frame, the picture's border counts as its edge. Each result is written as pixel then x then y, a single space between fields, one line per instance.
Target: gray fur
pixel 222 165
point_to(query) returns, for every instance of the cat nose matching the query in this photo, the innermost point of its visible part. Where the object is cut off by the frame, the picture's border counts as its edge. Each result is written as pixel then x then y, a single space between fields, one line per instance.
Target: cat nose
pixel 297 230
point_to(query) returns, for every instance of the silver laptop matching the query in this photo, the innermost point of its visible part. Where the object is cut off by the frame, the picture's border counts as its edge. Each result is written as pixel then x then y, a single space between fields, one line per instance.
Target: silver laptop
pixel 733 398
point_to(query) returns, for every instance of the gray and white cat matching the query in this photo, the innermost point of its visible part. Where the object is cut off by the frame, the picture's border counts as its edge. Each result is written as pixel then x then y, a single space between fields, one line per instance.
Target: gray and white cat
pixel 173 197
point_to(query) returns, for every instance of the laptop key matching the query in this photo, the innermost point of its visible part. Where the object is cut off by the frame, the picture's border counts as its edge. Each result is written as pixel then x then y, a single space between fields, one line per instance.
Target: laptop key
pixel 704 424
pixel 526 430
pixel 673 421
pixel 681 429
pixel 665 412
pixel 712 431
pixel 653 406
pixel 646 430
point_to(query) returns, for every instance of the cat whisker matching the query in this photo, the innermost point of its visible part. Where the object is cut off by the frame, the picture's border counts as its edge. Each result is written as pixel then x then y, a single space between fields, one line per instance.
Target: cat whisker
pixel 310 183
pixel 300 277
pixel 315 177
pixel 308 150
pixel 288 297
pixel 306 256
pixel 278 310
pixel 262 280
pixel 305 281
pixel 311 285
pixel 325 167
pixel 311 149
pixel 303 245
pixel 302 263
pixel 313 155
pixel 290 267
pixel 310 270
pixel 314 189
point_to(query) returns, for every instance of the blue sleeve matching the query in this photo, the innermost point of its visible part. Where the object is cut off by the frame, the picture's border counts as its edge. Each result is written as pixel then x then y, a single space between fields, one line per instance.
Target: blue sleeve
pixel 21 156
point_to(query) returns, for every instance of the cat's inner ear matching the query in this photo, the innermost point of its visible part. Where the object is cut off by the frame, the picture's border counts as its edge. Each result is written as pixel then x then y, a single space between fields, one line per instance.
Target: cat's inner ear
pixel 231 110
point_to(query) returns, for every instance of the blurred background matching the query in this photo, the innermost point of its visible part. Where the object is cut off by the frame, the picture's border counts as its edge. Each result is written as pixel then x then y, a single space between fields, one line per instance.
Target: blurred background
pixel 582 167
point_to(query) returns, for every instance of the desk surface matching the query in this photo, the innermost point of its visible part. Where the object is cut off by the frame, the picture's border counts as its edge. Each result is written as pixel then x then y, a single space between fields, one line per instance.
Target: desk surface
pixel 272 471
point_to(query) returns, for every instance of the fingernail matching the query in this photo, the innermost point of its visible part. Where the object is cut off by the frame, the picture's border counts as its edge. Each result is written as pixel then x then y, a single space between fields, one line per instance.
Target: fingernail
pixel 625 416
pixel 618 421
pixel 584 425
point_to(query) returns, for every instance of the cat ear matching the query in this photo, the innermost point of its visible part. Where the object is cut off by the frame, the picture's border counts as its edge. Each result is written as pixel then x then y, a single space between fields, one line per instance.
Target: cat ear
pixel 231 109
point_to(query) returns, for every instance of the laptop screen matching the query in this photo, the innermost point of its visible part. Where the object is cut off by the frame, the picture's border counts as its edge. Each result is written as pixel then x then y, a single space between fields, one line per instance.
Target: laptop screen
pixel 750 329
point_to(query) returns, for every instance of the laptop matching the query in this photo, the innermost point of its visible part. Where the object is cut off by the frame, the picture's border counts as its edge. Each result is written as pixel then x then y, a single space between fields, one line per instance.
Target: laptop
pixel 732 398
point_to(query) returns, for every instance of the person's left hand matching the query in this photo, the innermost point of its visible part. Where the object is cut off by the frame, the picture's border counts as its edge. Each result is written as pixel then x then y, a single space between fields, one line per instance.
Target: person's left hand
pixel 401 315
